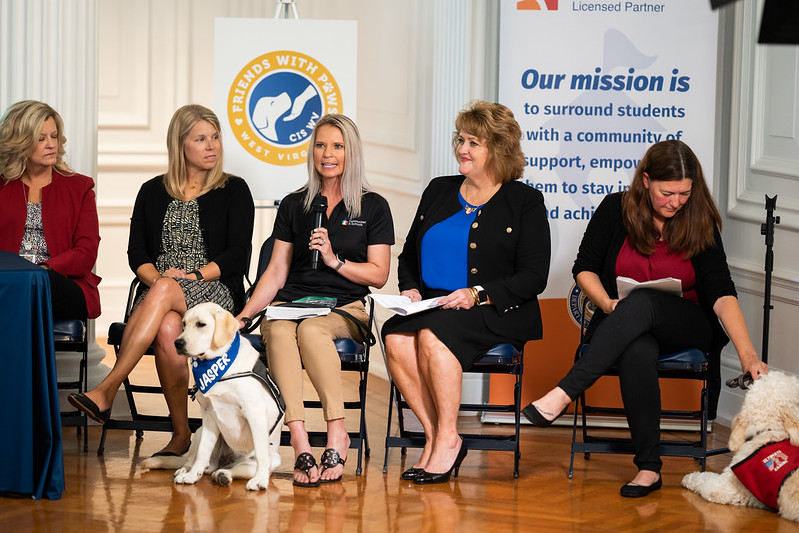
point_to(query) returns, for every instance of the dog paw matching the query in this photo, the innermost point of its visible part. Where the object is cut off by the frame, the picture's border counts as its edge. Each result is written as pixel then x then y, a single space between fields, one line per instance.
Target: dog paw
pixel 187 478
pixel 258 483
pixel 223 478
pixel 691 481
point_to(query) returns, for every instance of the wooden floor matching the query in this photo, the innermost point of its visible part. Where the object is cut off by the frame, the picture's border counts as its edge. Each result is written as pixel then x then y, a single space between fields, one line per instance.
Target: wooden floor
pixel 112 493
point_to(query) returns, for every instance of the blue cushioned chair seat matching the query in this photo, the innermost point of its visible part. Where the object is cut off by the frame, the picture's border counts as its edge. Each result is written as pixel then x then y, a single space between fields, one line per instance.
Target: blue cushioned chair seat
pixel 348 349
pixel 68 331
pixel 692 359
pixel 500 354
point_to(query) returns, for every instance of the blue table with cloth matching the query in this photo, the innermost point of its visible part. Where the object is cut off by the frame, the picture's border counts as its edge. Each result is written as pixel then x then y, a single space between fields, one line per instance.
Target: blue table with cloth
pixel 31 457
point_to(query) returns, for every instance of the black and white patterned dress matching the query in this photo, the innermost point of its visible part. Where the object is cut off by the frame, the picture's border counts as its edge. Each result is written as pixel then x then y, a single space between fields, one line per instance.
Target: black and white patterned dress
pixel 182 246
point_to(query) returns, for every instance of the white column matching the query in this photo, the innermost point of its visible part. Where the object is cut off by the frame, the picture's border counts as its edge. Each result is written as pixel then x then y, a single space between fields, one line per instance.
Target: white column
pixel 48 52
pixel 464 68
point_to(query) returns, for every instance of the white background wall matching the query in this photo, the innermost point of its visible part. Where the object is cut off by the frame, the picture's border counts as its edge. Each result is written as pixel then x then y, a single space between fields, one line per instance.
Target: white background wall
pixel 758 132
pixel 418 63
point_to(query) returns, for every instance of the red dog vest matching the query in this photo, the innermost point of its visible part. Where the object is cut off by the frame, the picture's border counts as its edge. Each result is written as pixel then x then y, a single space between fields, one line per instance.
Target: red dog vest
pixel 764 472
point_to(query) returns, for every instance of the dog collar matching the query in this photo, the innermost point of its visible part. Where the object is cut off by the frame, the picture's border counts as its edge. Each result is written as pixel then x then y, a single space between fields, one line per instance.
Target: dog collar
pixel 208 371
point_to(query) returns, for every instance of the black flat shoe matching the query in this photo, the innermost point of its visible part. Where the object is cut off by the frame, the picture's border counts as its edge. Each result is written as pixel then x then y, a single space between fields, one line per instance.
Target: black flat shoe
pixel 164 453
pixel 430 478
pixel 631 490
pixel 411 473
pixel 535 417
pixel 82 402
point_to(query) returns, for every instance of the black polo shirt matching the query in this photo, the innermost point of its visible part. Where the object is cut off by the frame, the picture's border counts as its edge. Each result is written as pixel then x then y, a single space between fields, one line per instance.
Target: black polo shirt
pixel 349 238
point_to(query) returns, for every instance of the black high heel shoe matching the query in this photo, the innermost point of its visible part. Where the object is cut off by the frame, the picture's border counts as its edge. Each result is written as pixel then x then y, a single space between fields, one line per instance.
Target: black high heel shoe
pixel 537 419
pixel 430 478
pixel 411 473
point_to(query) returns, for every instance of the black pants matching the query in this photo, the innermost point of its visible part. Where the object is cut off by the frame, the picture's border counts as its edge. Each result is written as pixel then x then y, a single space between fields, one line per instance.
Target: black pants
pixel 67 299
pixel 643 326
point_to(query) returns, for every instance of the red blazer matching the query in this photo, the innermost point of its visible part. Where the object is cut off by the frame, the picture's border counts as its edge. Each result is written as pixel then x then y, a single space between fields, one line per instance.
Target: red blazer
pixel 71 228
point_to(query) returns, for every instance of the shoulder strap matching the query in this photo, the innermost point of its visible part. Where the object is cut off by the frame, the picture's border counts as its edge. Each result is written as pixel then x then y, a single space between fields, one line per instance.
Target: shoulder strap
pixel 367 335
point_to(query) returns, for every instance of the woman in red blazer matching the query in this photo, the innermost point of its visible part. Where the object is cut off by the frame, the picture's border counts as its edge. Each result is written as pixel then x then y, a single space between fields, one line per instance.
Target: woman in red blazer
pixel 48 212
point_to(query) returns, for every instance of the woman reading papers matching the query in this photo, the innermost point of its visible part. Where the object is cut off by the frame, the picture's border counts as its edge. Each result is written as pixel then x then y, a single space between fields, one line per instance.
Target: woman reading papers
pixel 665 225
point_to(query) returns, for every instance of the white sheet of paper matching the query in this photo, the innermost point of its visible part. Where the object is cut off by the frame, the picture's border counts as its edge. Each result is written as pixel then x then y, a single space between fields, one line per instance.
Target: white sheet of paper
pixel 286 312
pixel 402 305
pixel 669 285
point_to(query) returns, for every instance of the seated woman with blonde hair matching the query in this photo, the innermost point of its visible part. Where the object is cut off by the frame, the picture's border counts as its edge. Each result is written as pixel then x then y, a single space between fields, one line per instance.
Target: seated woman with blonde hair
pixel 190 237
pixel 48 213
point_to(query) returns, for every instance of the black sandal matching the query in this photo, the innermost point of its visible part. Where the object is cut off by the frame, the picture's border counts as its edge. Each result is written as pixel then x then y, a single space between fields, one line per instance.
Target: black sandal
pixel 305 461
pixel 330 459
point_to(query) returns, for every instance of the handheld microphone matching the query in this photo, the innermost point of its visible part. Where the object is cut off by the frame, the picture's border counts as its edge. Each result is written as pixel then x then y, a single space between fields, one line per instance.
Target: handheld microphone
pixel 319 207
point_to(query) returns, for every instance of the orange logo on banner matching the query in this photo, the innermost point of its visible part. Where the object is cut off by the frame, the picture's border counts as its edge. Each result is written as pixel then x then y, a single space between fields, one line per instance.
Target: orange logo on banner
pixel 535 5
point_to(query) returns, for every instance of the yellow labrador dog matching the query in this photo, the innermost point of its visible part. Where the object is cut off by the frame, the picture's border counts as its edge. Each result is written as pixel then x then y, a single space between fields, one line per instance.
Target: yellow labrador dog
pixel 242 409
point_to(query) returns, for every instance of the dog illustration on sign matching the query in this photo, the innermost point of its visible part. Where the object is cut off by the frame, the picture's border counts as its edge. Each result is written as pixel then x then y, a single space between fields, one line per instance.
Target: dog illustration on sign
pixel 269 109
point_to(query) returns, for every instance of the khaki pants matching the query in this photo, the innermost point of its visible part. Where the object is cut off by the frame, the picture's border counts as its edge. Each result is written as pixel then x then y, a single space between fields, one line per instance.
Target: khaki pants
pixel 290 345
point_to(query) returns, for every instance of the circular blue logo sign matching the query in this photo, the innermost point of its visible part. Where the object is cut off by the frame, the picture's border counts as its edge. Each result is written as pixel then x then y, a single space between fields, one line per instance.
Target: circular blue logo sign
pixel 284 107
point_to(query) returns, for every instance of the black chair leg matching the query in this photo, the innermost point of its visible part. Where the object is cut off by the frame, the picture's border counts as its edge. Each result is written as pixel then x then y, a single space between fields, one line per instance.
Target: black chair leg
pixel 388 423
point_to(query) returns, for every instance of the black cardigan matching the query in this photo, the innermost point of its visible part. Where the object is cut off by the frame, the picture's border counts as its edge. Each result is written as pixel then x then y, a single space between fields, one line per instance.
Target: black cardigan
pixel 226 222
pixel 509 252
pixel 600 247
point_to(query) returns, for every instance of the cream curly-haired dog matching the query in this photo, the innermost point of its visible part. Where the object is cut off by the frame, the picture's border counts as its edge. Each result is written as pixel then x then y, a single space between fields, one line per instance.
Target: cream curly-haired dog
pixel 770 414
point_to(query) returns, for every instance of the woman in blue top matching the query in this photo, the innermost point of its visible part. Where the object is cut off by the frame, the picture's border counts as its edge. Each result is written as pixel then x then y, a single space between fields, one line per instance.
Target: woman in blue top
pixel 481 240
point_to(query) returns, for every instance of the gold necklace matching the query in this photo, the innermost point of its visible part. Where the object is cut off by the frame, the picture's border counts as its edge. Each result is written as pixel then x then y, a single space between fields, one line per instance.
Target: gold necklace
pixel 469 208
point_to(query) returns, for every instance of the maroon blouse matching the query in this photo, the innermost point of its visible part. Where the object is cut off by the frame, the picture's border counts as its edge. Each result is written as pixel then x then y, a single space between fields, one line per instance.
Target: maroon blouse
pixel 661 264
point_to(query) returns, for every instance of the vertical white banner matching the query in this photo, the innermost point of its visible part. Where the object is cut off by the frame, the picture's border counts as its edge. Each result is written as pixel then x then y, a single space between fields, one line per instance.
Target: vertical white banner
pixel 273 80
pixel 593 84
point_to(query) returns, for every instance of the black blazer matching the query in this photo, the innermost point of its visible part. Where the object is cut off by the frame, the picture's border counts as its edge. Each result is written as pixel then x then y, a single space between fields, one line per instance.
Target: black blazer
pixel 509 252
pixel 226 221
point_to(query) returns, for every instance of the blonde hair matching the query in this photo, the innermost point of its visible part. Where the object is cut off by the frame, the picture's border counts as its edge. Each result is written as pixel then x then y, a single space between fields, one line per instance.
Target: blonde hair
pixel 177 174
pixel 20 129
pixel 494 123
pixel 353 179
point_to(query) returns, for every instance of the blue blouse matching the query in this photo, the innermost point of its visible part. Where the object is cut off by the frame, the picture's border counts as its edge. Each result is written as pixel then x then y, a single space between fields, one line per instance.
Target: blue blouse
pixel 444 250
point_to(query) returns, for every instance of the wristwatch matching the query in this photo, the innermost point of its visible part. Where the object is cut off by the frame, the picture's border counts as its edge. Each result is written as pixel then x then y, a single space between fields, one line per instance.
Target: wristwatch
pixel 340 263
pixel 482 295
pixel 197 274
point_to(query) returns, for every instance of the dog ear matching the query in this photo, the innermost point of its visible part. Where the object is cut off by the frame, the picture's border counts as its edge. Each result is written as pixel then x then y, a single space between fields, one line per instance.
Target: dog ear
pixel 225 327
pixel 738 433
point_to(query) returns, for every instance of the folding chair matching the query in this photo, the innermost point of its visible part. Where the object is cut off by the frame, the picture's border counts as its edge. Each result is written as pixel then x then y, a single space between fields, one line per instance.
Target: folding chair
pixel 500 359
pixel 138 422
pixel 70 336
pixel 689 364
pixel 354 357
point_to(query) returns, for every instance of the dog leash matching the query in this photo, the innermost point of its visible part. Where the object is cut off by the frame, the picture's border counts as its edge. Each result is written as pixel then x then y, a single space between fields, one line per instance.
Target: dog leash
pixel 743 381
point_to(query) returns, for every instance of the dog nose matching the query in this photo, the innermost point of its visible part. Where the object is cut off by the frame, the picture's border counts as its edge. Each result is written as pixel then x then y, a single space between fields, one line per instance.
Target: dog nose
pixel 180 344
